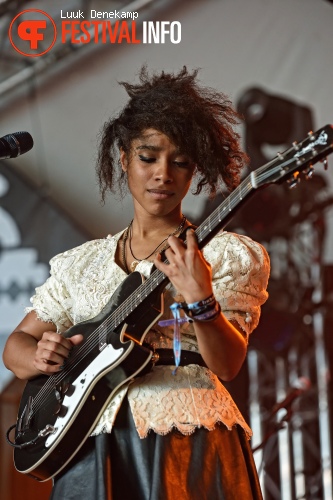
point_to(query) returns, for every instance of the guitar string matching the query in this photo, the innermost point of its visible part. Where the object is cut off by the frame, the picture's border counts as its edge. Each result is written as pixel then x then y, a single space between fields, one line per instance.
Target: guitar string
pixel 125 309
pixel 80 353
pixel 117 317
pixel 113 320
pixel 128 305
pixel 136 298
pixel 132 302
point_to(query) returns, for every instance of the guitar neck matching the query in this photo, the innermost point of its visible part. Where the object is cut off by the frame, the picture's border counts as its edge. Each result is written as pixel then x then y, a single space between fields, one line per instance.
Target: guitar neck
pixel 218 219
pixel 205 232
pixel 285 167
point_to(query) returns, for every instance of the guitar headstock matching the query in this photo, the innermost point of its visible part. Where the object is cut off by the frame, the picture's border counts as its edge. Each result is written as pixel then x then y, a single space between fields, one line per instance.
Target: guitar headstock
pixel 301 157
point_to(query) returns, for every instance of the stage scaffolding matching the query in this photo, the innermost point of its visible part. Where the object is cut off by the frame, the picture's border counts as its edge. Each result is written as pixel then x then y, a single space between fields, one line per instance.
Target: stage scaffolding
pixel 291 348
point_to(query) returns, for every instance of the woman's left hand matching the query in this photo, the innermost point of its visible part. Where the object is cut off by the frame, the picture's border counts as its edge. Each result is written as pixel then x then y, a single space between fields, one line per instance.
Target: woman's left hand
pixel 187 270
pixel 220 343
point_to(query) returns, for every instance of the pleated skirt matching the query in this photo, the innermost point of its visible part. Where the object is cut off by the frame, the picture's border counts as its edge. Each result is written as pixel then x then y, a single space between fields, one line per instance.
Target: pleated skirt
pixel 206 465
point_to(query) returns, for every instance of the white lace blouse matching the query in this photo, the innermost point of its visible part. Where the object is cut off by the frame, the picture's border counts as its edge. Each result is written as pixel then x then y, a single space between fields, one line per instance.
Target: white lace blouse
pixel 81 283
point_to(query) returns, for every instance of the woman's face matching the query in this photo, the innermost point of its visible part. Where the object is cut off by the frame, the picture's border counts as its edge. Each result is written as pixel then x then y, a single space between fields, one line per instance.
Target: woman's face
pixel 159 175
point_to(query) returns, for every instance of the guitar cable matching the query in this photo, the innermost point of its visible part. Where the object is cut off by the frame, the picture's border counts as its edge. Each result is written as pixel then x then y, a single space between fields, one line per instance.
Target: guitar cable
pixel 48 430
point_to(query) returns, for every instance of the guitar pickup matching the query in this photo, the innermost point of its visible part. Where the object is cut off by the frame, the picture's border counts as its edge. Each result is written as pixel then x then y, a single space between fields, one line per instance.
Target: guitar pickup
pixel 24 421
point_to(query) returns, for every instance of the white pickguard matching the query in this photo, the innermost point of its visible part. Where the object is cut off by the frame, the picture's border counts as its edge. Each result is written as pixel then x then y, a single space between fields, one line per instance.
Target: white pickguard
pixel 97 368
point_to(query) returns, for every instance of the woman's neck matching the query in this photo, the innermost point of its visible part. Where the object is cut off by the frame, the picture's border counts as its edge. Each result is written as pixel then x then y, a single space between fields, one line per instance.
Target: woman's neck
pixel 143 242
pixel 150 226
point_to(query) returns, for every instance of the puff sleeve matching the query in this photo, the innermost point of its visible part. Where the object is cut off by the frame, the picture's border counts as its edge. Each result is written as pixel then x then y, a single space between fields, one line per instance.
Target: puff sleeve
pixel 52 302
pixel 240 268
pixel 82 281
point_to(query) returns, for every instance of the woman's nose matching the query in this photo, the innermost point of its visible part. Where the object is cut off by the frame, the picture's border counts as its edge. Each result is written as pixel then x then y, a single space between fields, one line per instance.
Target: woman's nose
pixel 163 171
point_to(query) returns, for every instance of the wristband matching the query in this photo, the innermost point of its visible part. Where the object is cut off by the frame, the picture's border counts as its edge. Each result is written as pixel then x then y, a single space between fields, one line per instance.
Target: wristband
pixel 203 310
pixel 208 315
pixel 198 308
pixel 202 303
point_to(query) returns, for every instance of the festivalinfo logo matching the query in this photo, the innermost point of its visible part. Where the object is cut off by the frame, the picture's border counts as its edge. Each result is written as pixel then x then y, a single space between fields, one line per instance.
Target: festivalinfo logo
pixel 33 32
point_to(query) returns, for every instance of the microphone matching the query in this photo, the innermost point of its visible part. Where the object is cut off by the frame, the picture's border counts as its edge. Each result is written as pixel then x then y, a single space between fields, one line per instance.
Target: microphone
pixel 301 385
pixel 16 144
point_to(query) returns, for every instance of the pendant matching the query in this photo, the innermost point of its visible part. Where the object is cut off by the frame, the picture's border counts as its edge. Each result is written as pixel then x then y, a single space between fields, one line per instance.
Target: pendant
pixel 134 265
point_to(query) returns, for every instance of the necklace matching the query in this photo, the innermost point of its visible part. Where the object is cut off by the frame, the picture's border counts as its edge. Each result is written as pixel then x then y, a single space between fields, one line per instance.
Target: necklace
pixel 123 254
pixel 128 235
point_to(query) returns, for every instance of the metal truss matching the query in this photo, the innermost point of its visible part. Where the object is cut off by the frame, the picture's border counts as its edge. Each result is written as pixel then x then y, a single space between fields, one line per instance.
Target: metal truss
pixel 295 462
pixel 15 69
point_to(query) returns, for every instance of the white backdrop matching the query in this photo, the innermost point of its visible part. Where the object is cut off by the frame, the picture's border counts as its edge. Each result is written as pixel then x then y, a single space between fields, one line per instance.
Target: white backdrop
pixel 284 46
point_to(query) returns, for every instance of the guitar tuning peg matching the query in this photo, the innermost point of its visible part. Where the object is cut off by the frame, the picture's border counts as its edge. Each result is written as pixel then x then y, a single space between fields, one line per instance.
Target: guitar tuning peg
pixel 311 136
pixel 308 172
pixel 294 180
pixel 296 146
pixel 325 162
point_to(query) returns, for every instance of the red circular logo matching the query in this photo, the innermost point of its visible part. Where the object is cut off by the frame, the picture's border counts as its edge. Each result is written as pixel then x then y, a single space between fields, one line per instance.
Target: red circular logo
pixel 34 34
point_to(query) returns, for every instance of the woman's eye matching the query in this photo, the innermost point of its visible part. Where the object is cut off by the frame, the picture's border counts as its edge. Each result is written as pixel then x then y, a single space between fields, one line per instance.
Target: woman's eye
pixel 146 159
pixel 182 164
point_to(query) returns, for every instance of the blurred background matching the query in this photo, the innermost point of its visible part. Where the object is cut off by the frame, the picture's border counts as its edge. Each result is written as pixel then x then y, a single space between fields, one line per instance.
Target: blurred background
pixel 274 59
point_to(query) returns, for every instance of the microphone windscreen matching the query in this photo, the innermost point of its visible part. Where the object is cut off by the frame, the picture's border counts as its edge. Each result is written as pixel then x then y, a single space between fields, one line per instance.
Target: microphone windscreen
pixel 17 143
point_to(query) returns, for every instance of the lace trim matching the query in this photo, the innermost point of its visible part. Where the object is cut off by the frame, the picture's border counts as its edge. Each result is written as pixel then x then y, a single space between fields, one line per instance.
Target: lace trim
pixel 161 401
pixel 81 283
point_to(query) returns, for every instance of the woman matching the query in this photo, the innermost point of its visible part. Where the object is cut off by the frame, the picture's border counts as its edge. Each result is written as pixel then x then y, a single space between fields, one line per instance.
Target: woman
pixel 169 433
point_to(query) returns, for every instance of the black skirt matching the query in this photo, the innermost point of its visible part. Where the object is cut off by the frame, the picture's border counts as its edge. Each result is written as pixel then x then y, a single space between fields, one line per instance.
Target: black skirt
pixel 207 465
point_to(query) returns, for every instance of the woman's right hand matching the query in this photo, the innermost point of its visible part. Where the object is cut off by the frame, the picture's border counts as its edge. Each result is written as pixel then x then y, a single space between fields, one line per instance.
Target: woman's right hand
pixel 35 348
pixel 53 350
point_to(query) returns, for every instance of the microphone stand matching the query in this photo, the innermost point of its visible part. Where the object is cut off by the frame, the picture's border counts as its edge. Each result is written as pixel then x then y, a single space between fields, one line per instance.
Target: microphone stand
pixel 273 429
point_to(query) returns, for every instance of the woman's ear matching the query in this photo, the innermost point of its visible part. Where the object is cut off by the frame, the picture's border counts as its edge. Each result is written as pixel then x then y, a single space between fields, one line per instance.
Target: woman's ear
pixel 123 160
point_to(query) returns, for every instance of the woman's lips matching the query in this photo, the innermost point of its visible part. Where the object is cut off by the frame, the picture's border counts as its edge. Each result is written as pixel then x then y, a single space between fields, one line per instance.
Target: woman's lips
pixel 160 194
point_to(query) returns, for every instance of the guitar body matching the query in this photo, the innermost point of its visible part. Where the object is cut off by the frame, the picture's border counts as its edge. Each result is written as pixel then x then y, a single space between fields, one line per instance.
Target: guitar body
pixel 65 407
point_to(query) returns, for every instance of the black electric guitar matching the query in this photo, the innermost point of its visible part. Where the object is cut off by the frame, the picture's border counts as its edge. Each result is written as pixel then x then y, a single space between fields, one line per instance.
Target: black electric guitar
pixel 58 413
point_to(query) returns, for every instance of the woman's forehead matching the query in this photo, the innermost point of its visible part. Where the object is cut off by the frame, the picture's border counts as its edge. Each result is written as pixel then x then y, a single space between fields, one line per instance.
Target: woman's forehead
pixel 154 139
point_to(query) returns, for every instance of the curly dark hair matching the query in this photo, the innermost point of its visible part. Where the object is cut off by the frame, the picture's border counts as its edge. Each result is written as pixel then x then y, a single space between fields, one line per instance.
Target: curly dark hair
pixel 198 120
